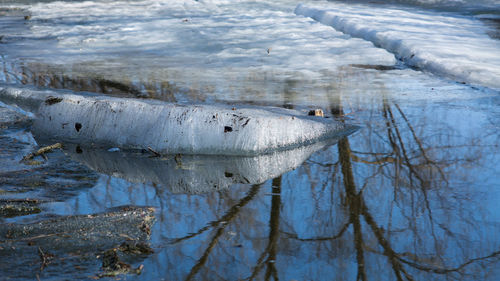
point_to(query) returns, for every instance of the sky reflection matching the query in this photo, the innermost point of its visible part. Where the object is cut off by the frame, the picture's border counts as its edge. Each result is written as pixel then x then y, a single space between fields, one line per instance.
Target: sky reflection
pixel 410 196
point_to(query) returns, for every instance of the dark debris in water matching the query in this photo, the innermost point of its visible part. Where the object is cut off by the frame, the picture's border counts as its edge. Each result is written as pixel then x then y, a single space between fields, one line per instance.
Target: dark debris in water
pixel 82 240
pixel 375 67
pixel 54 179
pixel 316 112
pixel 10 208
pixel 41 152
pixel 112 265
pixel 135 247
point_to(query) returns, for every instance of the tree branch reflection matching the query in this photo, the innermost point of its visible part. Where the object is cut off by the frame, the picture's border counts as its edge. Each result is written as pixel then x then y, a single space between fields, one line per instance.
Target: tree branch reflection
pixel 230 215
pixel 272 246
pixel 417 181
pixel 223 222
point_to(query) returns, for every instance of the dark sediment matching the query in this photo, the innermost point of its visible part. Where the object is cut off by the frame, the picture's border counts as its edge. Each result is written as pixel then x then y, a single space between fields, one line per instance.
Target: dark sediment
pixel 49 247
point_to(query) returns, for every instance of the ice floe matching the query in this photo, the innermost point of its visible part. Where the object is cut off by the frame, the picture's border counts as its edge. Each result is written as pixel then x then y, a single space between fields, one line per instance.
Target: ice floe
pixel 170 128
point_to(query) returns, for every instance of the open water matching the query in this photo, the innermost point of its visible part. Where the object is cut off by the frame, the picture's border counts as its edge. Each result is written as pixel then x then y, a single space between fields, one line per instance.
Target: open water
pixel 412 195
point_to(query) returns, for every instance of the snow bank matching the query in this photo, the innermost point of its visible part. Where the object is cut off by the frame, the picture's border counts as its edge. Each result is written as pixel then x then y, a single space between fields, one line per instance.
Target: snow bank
pixel 463 6
pixel 194 173
pixel 445 44
pixel 170 128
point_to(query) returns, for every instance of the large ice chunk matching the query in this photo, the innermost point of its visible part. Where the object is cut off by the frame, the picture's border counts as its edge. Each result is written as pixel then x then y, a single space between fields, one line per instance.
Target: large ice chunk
pixel 171 128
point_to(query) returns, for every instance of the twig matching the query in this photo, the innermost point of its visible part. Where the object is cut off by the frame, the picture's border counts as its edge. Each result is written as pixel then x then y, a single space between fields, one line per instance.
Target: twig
pixel 41 151
pixel 44 257
pixel 155 153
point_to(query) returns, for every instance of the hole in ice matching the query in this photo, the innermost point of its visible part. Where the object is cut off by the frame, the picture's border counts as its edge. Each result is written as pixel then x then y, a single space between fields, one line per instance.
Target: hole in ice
pixel 227 129
pixel 78 126
pixel 52 100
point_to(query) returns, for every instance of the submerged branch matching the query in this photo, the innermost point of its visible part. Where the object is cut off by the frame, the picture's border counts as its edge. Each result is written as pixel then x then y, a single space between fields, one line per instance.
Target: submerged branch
pixel 41 151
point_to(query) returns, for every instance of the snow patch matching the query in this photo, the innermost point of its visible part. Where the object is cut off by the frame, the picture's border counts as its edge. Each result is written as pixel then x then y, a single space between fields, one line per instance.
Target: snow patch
pixel 444 44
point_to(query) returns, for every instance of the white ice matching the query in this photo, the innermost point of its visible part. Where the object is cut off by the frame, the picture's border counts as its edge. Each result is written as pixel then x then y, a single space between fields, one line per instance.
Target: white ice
pixel 223 48
pixel 445 44
pixel 171 128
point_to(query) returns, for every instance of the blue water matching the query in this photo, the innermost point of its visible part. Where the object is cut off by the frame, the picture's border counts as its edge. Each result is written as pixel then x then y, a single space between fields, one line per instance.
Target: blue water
pixel 411 195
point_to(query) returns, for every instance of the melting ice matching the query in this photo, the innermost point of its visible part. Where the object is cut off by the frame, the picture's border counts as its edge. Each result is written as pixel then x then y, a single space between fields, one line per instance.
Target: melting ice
pixel 445 44
pixel 217 50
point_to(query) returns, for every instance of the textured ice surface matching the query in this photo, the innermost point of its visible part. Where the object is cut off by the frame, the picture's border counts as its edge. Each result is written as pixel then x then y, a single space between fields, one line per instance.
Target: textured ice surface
pixel 229 50
pixel 204 50
pixel 463 6
pixel 445 44
pixel 171 128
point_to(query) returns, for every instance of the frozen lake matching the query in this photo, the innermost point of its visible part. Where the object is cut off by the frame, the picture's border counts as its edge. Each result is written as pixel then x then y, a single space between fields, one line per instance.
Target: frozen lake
pixel 411 195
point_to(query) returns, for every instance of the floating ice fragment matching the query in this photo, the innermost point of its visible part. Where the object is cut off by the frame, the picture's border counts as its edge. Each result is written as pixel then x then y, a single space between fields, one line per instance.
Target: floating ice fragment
pixel 170 128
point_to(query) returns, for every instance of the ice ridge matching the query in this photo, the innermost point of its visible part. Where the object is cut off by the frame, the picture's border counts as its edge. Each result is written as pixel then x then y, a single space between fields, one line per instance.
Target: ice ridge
pixel 445 44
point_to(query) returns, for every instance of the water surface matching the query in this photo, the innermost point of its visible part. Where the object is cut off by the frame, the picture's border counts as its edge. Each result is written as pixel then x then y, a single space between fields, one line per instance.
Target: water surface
pixel 411 195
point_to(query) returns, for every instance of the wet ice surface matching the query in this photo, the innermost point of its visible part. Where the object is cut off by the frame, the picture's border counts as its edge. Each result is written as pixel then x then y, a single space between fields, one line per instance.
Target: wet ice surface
pixel 206 55
pixel 413 193
pixel 441 43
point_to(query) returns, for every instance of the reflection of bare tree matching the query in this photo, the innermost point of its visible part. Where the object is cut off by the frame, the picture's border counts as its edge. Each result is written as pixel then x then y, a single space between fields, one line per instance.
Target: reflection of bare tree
pixel 268 256
pixel 354 203
pixel 230 215
pixel 401 152
pixel 419 179
pixel 58 77
pixel 220 225
pixel 44 76
pixel 358 209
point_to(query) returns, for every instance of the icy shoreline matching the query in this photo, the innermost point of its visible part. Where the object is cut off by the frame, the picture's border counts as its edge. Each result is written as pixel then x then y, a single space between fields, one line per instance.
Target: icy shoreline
pixel 170 128
pixel 451 46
